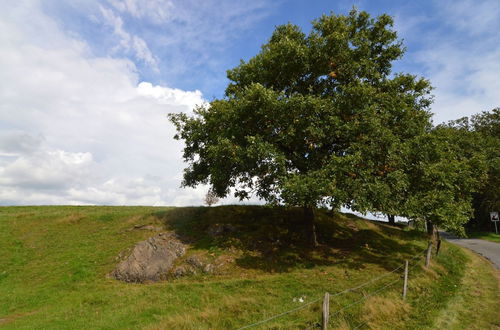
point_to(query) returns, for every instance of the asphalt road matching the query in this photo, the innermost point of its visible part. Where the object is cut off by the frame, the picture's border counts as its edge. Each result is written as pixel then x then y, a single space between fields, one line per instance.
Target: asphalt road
pixel 487 249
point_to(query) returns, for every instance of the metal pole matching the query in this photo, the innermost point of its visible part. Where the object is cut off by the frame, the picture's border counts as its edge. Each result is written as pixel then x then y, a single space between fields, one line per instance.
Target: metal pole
pixel 405 285
pixel 326 310
pixel 496 229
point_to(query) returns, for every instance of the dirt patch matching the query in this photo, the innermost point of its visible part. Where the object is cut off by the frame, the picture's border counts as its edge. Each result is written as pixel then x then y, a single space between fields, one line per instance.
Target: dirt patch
pixel 151 260
pixel 71 219
pixel 146 227
pixel 352 226
pixel 12 318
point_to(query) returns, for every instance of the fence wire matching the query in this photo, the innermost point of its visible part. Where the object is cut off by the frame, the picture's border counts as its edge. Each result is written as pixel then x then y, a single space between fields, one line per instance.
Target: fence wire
pixel 364 297
pixel 340 293
pixel 279 315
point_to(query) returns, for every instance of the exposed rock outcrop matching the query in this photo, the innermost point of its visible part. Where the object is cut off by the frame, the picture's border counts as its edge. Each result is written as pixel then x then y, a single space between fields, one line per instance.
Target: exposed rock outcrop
pixel 195 264
pixel 151 260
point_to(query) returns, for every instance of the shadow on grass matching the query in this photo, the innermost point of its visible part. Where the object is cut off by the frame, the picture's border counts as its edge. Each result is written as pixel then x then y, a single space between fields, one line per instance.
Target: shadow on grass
pixel 274 239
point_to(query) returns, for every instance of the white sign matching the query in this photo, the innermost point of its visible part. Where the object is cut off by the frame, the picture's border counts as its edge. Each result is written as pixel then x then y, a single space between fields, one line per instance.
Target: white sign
pixel 494 216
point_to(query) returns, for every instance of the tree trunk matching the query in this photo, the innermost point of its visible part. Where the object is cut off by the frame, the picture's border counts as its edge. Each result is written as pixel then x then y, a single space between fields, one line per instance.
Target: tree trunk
pixel 391 219
pixel 311 227
pixel 430 230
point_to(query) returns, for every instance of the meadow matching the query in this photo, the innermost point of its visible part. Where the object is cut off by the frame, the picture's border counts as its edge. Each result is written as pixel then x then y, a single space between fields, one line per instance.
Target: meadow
pixel 55 263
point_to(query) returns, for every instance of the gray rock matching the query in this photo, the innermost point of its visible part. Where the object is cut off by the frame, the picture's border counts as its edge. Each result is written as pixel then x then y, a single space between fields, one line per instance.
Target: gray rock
pixel 183 271
pixel 195 261
pixel 150 260
pixel 179 271
pixel 209 268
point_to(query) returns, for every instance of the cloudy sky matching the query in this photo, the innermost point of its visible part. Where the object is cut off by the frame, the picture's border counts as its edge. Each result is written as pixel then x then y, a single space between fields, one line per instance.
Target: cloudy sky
pixel 85 85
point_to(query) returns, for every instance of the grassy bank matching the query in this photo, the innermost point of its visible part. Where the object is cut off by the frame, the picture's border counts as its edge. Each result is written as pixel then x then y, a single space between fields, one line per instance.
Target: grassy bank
pixel 475 303
pixel 489 236
pixel 55 261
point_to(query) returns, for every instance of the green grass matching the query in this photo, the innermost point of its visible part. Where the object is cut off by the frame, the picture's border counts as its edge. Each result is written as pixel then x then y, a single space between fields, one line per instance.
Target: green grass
pixel 473 305
pixel 430 294
pixel 489 236
pixel 55 261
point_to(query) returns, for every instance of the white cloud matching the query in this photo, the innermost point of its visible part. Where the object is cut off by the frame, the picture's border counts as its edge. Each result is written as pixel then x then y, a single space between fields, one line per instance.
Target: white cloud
pixel 80 129
pixel 15 143
pixel 171 96
pixel 119 192
pixel 456 46
pixel 196 37
pixel 47 169
pixel 127 41
pixel 157 11
pixel 466 80
pixel 175 42
pixel 472 17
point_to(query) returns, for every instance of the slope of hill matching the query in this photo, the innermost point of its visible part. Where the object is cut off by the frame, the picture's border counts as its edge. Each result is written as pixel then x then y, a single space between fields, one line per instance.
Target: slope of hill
pixel 55 263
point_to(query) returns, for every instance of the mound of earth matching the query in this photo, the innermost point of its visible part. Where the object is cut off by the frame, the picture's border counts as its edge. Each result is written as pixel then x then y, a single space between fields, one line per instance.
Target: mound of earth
pixel 151 260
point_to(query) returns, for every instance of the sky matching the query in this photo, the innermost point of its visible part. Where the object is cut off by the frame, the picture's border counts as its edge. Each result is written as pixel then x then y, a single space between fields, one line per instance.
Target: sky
pixel 85 85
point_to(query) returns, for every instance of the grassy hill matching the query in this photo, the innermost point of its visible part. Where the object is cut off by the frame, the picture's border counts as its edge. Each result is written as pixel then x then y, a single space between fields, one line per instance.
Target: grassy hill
pixel 55 263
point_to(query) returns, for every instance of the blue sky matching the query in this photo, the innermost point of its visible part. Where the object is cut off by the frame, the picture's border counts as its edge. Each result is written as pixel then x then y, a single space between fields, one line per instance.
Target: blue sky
pixel 193 43
pixel 86 84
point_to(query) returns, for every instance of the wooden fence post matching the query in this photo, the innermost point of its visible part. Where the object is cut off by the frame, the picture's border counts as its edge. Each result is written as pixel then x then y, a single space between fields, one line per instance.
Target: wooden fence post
pixel 326 310
pixel 405 285
pixel 428 257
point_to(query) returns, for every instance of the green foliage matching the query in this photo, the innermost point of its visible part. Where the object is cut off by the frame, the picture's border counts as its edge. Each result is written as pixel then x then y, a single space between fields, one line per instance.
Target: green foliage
pixel 482 131
pixel 487 126
pixel 445 168
pixel 314 119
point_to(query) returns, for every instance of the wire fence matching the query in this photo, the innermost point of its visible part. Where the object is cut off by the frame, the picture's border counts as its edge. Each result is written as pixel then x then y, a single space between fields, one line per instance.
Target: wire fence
pixel 359 326
pixel 347 306
pixel 365 297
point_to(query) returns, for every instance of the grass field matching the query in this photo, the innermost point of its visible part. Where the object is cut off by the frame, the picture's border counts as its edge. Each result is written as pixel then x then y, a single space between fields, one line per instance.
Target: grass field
pixel 55 261
pixel 489 236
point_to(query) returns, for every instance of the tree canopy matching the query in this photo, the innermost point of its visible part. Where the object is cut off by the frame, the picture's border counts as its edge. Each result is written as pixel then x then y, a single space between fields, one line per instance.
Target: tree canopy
pixel 445 167
pixel 483 133
pixel 317 119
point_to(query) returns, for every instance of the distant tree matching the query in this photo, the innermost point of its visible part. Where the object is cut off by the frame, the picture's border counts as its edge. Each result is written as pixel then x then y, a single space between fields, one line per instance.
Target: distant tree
pixel 445 169
pixel 211 198
pixel 486 200
pixel 312 120
pixel 484 128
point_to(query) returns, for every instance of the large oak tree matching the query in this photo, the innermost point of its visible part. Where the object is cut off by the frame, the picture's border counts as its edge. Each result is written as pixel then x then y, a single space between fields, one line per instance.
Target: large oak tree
pixel 317 119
